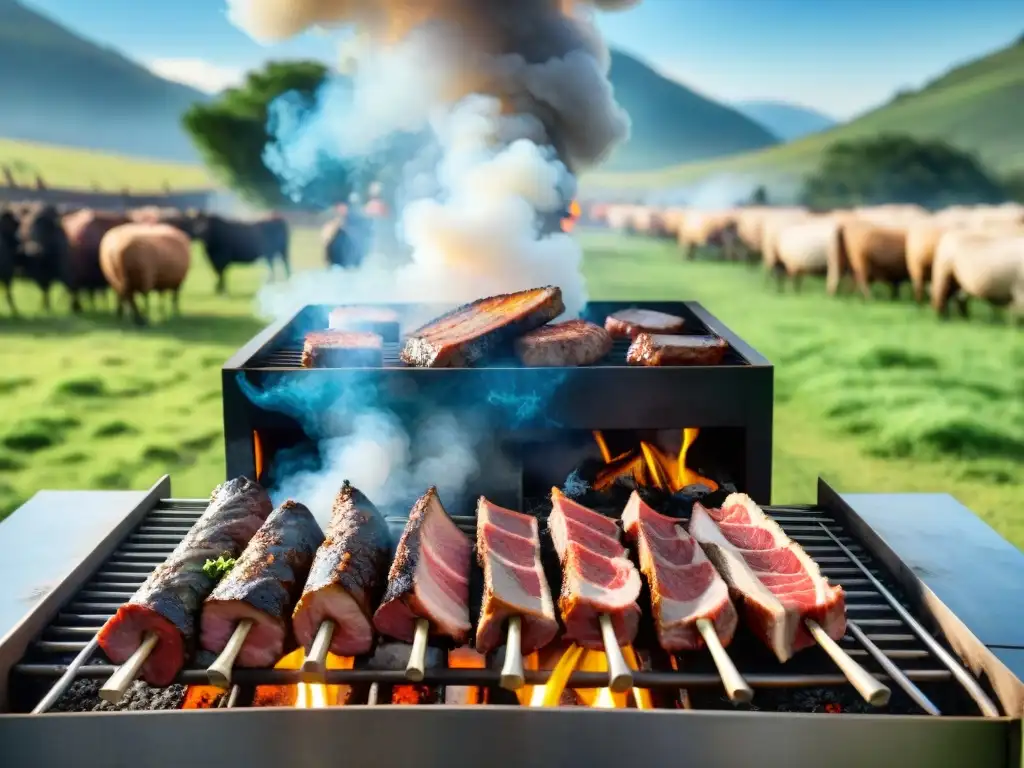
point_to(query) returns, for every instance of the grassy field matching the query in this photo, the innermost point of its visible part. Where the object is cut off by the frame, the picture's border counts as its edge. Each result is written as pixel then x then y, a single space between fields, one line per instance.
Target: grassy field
pixel 79 168
pixel 878 397
pixel 978 107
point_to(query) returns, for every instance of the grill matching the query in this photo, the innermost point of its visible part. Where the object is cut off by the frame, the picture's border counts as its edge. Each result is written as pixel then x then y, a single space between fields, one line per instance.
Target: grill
pixel 731 403
pixel 884 636
pixel 883 631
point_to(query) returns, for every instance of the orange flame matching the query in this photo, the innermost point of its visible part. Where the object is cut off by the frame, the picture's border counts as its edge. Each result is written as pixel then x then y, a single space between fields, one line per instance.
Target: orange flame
pixel 304 695
pixel 651 466
pixel 569 222
pixel 257 452
pixel 465 658
pixel 552 693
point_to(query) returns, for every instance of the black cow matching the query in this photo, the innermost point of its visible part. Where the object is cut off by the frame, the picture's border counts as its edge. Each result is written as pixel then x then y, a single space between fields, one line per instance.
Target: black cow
pixel 10 254
pixel 44 245
pixel 236 242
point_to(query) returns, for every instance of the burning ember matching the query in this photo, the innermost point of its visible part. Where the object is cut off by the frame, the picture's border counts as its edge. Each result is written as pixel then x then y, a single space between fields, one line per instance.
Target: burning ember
pixel 651 466
pixel 574 658
pixel 304 695
pixel 465 658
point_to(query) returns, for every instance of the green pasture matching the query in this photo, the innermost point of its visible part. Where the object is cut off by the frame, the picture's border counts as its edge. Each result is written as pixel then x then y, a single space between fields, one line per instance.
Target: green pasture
pixel 877 396
pixel 69 168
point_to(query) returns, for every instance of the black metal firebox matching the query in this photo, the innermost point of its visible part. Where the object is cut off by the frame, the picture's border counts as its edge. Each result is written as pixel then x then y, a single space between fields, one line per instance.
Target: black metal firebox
pixel 529 408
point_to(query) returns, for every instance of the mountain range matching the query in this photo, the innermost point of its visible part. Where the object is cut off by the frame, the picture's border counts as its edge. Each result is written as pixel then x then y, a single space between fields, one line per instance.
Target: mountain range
pixel 977 106
pixel 787 121
pixel 59 88
pixel 56 87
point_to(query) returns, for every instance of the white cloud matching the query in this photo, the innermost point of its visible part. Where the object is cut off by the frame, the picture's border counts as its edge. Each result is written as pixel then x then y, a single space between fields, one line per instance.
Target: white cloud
pixel 198 73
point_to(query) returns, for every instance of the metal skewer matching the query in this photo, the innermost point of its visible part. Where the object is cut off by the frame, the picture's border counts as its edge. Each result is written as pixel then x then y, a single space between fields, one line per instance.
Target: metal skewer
pixel 416 667
pixel 985 704
pixel 512 678
pixel 219 673
pixel 315 665
pixel 735 686
pixel 892 670
pixel 874 693
pixel 125 675
pixel 620 676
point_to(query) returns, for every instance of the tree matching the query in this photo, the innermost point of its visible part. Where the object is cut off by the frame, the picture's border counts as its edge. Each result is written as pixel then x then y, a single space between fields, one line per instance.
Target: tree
pixel 233 135
pixel 759 196
pixel 1014 184
pixel 899 169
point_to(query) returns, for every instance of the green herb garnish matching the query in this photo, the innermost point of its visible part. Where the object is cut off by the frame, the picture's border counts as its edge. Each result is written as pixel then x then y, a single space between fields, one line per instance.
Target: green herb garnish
pixel 217 569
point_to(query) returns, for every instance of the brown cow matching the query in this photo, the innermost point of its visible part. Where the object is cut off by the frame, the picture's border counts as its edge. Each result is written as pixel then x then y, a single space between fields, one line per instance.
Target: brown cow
pixel 137 258
pixel 85 230
pixel 872 252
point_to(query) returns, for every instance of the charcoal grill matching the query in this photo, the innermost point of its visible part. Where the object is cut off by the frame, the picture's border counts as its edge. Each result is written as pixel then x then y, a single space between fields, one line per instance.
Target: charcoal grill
pixel 731 403
pixel 971 723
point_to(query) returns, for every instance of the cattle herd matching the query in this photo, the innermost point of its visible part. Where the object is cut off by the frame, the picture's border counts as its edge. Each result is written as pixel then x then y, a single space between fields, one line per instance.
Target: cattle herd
pixel 951 255
pixel 132 253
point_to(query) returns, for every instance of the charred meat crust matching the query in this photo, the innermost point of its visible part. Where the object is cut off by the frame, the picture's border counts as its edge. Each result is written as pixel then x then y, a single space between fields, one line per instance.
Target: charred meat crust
pixel 272 570
pixel 356 552
pixel 177 588
pixel 482 328
pixel 655 349
pixel 403 568
pixel 574 342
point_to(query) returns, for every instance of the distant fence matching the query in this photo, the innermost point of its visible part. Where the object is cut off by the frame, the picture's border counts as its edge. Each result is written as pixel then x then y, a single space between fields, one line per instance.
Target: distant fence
pixel 108 201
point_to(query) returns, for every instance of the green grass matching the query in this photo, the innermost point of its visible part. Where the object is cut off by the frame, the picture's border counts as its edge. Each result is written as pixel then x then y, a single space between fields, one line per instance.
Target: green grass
pixel 874 397
pixel 978 107
pixel 78 169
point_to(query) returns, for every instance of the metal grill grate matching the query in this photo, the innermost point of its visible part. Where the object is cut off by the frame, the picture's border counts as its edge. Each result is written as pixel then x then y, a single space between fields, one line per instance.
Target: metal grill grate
pixel 291 357
pixel 883 635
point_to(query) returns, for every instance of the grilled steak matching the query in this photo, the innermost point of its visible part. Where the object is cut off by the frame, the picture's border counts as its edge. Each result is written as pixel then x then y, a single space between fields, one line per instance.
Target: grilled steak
pixel 474 331
pixel 684 584
pixel 508 549
pixel 574 342
pixel 630 323
pixel 263 586
pixel 655 349
pixel 347 578
pixel 597 577
pixel 780 584
pixel 379 320
pixel 429 577
pixel 343 349
pixel 168 601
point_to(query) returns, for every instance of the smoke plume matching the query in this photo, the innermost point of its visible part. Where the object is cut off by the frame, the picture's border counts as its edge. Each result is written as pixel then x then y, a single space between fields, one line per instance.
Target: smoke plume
pixel 508 99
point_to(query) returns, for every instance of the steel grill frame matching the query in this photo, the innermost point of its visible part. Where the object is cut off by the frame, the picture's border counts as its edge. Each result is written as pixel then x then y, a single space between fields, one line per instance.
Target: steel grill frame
pixel 817 529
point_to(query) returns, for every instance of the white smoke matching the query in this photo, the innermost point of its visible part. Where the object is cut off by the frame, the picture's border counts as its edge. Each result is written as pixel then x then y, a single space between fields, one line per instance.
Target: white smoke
pixel 515 96
pixel 380 458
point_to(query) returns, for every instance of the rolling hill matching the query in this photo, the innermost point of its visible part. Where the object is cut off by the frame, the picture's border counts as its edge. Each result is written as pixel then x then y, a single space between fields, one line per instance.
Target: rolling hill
pixel 785 120
pixel 978 106
pixel 59 88
pixel 673 124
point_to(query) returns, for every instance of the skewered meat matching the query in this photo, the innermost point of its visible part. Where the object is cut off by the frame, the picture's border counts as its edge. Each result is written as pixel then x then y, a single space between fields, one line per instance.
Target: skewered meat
pixel 168 601
pixel 474 331
pixel 656 349
pixel 597 577
pixel 342 349
pixel 379 320
pixel 574 342
pixel 347 578
pixel 429 577
pixel 629 323
pixel 508 549
pixel 684 584
pixel 780 584
pixel 263 586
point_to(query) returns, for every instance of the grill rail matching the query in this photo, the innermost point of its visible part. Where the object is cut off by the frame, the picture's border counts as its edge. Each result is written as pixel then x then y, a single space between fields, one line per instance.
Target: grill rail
pixel 880 627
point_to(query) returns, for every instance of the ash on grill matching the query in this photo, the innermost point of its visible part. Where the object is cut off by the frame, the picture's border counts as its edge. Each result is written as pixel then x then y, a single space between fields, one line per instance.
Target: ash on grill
pixel 84 696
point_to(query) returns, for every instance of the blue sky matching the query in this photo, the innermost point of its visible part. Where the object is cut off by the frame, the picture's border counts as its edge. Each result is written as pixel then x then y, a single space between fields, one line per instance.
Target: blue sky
pixel 840 56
